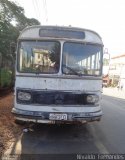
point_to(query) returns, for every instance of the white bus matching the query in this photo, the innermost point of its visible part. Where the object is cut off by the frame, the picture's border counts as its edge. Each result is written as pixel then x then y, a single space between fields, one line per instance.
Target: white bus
pixel 58 75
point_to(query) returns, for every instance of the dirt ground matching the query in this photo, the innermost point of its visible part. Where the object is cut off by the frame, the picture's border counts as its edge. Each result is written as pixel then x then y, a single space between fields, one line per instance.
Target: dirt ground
pixel 8 129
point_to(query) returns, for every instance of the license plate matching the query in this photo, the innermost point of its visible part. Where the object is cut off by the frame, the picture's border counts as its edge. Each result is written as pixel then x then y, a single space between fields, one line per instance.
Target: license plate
pixel 55 116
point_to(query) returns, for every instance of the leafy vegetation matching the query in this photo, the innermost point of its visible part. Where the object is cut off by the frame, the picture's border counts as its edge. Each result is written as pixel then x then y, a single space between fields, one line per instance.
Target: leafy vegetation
pixel 12 21
pixel 11 13
pixel 5 77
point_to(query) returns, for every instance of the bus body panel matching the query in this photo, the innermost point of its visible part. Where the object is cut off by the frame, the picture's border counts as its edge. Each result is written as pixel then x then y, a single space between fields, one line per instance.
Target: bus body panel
pixel 60 84
pixel 39 83
pixel 32 32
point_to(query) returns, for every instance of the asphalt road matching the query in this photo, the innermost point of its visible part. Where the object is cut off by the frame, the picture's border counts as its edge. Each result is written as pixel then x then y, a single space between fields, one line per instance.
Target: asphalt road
pixel 105 137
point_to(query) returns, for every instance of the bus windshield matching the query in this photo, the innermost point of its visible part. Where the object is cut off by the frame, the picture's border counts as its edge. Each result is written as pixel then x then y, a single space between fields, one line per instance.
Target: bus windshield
pixel 44 57
pixel 81 59
pixel 39 57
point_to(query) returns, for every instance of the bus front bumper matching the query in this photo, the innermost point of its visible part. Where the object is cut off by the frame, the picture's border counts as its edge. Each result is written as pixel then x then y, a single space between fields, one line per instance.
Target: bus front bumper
pixel 44 117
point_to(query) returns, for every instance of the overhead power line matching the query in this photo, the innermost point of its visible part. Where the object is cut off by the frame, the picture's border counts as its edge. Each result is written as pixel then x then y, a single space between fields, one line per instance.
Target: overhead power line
pixel 40 10
pixel 35 9
pixel 45 8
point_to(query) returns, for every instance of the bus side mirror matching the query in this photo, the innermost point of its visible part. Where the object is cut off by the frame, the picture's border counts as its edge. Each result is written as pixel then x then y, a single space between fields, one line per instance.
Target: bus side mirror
pixel 106 57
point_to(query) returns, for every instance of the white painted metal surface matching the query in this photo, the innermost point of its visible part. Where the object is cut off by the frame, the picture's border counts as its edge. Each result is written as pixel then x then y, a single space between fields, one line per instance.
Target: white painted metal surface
pixel 33 33
pixel 55 108
pixel 72 85
pixel 59 82
pixel 39 83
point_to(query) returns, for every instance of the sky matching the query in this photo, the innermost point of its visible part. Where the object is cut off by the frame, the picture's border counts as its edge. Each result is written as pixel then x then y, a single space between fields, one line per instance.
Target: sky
pixel 106 17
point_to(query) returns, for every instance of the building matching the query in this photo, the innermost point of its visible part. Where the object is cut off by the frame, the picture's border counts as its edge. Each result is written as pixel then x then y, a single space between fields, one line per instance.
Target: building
pixel 117 70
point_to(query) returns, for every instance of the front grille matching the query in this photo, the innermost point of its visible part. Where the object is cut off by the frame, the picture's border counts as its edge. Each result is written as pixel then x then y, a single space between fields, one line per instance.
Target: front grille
pixel 58 98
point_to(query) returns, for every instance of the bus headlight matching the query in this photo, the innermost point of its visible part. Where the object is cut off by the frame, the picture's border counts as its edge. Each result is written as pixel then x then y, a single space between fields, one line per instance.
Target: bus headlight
pixel 24 96
pixel 92 98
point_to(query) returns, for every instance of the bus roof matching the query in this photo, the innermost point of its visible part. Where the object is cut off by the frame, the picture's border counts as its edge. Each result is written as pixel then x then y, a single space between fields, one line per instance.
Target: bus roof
pixel 60 32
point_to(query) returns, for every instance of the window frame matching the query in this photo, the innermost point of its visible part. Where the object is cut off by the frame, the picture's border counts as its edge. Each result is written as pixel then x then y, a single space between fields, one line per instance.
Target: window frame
pixel 86 43
pixel 34 40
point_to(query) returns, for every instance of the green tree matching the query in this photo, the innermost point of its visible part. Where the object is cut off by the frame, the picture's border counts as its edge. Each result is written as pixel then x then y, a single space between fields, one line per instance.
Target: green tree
pixel 11 12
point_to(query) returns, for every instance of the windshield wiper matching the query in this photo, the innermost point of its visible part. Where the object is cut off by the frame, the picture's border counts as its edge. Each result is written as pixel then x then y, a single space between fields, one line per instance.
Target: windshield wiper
pixel 72 70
